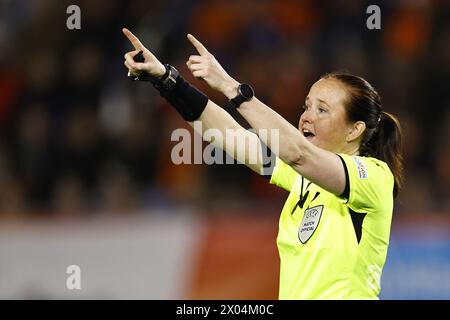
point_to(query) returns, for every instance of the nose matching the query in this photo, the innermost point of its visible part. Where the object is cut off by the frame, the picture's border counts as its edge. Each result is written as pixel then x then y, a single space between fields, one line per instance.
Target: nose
pixel 307 116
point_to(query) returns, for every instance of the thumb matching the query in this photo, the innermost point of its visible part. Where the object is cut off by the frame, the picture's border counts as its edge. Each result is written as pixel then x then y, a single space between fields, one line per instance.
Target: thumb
pixel 197 44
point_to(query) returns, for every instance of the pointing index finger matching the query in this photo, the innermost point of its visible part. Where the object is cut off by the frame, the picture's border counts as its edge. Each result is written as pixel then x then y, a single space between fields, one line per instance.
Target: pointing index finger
pixel 197 44
pixel 133 39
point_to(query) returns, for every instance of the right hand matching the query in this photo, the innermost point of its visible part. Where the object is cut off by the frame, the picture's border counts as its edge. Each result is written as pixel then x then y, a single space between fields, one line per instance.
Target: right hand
pixel 206 67
pixel 151 65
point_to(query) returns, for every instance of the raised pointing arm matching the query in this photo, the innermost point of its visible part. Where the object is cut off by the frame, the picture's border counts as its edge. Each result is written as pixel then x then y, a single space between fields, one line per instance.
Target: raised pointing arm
pixel 322 167
pixel 239 143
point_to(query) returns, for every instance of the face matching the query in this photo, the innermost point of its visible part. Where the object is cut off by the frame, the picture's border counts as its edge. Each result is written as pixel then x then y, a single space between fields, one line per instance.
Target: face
pixel 323 121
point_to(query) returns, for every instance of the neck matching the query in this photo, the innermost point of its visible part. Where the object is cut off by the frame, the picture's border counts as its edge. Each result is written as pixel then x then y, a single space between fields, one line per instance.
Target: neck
pixel 351 149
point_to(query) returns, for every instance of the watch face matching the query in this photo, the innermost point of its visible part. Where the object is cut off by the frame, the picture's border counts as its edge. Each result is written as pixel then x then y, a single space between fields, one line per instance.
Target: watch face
pixel 246 91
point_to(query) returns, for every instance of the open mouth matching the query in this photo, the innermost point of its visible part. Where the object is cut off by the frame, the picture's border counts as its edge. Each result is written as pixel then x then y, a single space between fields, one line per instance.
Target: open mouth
pixel 308 134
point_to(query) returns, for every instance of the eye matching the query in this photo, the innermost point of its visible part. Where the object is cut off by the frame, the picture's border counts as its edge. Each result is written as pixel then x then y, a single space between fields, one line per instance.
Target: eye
pixel 322 110
pixel 305 107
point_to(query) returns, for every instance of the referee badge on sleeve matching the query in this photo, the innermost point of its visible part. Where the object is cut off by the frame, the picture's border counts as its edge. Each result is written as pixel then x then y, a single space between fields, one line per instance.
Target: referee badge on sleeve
pixel 362 170
pixel 310 221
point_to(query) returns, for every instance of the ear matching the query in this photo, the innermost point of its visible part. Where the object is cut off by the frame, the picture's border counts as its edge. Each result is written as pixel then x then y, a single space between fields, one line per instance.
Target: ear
pixel 356 131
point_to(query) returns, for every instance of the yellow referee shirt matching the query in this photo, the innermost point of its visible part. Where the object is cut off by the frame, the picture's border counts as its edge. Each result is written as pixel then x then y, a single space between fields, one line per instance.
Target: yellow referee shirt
pixel 332 247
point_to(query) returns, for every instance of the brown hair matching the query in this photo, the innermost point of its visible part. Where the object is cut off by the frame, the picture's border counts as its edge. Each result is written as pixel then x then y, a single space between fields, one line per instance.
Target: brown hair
pixel 382 138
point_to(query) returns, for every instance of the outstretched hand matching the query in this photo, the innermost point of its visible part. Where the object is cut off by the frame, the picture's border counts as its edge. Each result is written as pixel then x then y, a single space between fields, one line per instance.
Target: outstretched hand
pixel 205 66
pixel 151 64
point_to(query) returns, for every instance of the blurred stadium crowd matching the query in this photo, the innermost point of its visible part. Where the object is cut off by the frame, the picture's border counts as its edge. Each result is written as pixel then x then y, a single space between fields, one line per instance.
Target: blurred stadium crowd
pixel 77 137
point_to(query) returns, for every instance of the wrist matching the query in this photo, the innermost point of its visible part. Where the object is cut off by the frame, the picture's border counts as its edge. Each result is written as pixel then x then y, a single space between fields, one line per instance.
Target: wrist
pixel 231 89
pixel 167 81
pixel 244 93
pixel 161 72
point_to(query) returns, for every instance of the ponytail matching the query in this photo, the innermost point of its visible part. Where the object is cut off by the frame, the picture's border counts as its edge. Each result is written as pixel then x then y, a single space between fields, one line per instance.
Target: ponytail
pixel 386 145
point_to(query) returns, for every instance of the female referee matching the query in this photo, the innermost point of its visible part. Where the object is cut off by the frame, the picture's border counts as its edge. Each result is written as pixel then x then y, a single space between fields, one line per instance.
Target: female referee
pixel 342 167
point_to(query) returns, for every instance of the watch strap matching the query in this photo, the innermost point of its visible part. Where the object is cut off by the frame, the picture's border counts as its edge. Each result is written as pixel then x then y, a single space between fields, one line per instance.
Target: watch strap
pixel 168 81
pixel 237 101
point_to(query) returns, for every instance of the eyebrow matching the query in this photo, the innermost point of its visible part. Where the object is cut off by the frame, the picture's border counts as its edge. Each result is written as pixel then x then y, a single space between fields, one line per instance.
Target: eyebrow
pixel 320 100
pixel 323 101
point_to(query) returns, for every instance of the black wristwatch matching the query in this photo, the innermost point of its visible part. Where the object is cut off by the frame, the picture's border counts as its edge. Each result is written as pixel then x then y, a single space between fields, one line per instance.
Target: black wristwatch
pixel 245 93
pixel 168 81
pixel 164 83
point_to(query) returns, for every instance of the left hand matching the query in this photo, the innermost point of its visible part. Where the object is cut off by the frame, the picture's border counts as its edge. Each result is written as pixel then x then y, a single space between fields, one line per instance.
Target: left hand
pixel 206 67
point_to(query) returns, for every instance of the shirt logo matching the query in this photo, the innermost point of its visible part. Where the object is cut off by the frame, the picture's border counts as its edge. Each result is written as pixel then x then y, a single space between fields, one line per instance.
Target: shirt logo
pixel 310 221
pixel 362 170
